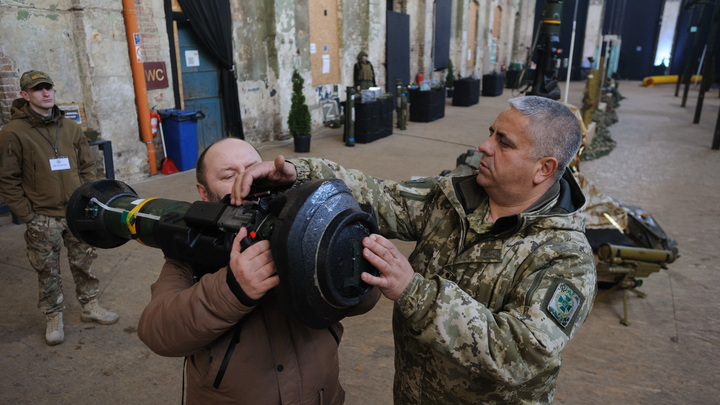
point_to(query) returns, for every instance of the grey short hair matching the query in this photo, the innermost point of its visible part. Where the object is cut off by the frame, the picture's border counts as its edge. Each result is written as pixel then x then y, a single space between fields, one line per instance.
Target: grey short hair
pixel 554 130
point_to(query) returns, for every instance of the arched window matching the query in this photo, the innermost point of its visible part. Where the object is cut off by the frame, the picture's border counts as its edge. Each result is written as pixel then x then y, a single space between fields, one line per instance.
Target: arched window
pixel 497 22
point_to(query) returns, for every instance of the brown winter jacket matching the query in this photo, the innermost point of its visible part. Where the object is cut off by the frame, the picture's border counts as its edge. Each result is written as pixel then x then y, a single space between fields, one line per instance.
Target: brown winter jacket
pixel 27 184
pixel 277 360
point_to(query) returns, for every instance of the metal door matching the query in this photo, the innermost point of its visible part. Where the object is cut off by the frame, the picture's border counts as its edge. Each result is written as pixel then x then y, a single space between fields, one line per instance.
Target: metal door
pixel 200 86
pixel 637 23
pixel 398 50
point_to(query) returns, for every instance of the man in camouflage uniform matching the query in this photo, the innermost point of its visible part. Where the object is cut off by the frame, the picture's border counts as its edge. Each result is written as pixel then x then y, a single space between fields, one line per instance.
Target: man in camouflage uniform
pixel 363 73
pixel 45 157
pixel 502 275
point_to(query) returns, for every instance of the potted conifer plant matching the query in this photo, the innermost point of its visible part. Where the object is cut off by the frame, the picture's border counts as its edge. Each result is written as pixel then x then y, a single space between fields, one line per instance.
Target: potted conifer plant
pixel 450 79
pixel 299 120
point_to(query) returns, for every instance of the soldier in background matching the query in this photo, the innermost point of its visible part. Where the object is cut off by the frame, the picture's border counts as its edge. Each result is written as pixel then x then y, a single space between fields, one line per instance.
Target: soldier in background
pixel 45 157
pixel 502 276
pixel 364 74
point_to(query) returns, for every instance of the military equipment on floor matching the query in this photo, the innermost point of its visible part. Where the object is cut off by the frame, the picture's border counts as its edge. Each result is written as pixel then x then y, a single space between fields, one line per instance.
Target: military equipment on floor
pixel 642 248
pixel 315 231
pixel 626 265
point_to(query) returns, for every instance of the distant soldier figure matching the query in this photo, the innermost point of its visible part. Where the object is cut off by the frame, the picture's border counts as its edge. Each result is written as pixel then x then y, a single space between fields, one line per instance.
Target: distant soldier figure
pixel 45 157
pixel 364 74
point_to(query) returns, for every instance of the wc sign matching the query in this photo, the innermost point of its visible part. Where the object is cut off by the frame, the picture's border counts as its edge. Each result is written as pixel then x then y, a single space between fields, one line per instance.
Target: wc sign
pixel 155 75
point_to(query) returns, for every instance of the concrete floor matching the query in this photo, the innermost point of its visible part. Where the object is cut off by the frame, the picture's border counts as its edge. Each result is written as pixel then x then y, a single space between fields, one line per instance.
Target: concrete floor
pixel 668 355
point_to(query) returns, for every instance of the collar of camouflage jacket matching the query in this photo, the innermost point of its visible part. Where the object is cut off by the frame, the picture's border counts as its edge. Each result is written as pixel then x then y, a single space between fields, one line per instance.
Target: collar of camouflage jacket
pixel 566 192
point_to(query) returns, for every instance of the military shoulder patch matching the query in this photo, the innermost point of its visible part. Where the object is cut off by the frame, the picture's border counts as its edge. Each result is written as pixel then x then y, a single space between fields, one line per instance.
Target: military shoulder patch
pixel 563 303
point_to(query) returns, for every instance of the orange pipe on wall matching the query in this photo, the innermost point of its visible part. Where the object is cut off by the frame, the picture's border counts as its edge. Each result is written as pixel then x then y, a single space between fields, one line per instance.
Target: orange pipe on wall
pixel 141 98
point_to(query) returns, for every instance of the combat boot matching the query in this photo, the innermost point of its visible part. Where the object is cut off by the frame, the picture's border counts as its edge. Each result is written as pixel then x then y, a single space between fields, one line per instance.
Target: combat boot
pixel 93 312
pixel 54 333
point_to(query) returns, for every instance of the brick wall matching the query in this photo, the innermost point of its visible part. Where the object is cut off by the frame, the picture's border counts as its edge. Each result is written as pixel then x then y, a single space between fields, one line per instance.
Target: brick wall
pixel 149 34
pixel 9 90
pixel 9 87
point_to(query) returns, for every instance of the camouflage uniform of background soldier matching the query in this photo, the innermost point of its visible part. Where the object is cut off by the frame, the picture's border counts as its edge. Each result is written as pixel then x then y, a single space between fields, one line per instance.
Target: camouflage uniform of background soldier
pixel 502 275
pixel 363 73
pixel 45 157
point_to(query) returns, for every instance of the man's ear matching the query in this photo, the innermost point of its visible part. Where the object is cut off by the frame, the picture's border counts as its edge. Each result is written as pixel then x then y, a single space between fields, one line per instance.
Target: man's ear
pixel 24 94
pixel 546 168
pixel 203 192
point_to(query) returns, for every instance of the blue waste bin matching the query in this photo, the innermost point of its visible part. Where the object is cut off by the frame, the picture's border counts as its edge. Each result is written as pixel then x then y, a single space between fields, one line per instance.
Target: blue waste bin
pixel 180 132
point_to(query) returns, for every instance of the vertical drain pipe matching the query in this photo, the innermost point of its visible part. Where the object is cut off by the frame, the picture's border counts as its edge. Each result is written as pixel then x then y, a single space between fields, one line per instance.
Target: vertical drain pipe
pixel 141 100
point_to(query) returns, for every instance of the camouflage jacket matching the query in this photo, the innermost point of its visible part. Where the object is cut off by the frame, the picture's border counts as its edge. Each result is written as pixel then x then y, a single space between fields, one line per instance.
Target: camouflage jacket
pixel 480 323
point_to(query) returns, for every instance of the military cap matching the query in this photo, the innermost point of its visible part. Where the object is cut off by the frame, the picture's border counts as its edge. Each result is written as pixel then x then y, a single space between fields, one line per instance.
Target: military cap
pixel 32 78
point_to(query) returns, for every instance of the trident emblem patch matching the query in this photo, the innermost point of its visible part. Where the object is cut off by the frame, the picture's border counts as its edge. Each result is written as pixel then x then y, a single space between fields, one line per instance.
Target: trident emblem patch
pixel 563 304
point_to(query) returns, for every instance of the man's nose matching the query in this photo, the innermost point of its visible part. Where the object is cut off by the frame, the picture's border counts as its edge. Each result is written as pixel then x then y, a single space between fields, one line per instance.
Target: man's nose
pixel 485 147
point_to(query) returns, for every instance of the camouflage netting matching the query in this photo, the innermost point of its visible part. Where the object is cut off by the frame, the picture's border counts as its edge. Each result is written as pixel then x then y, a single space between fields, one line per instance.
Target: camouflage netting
pixel 616 97
pixel 609 116
pixel 602 144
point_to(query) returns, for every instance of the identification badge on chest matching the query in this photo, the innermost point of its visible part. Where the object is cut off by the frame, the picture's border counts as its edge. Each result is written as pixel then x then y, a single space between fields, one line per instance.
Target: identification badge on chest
pixel 59 163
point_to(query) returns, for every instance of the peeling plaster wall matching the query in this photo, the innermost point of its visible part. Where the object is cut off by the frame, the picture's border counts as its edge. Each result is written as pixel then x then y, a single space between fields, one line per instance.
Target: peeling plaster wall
pixel 506 33
pixel 420 48
pixel 356 37
pixel 156 48
pixel 363 29
pixel 523 42
pixel 425 40
pixel 42 38
pixel 293 42
pixel 82 45
pixel 377 35
pixel 487 14
pixel 273 37
pixel 459 36
pixel 421 35
pixel 257 67
pixel 593 30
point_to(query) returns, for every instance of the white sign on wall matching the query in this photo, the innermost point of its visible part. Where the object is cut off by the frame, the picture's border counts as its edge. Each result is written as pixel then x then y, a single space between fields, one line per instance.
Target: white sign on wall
pixel 192 58
pixel 326 64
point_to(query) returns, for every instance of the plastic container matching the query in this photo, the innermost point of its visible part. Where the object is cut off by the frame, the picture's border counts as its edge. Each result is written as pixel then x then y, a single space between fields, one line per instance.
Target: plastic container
pixel 180 131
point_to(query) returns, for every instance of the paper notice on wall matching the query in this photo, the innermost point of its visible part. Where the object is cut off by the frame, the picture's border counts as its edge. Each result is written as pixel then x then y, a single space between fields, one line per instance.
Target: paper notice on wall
pixel 493 50
pixel 313 48
pixel 469 54
pixel 326 64
pixel 192 58
pixel 138 48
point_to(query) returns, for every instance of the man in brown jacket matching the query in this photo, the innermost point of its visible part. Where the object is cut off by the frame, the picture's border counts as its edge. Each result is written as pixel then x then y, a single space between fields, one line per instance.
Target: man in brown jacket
pixel 241 346
pixel 45 157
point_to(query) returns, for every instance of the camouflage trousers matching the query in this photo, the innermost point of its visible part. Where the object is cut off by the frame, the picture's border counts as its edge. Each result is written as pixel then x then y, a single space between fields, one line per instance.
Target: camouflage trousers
pixel 44 237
